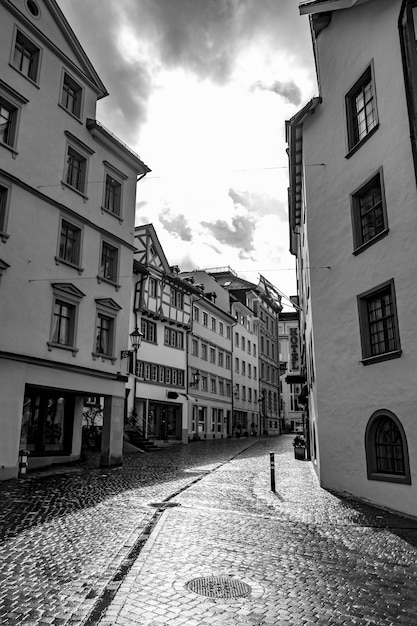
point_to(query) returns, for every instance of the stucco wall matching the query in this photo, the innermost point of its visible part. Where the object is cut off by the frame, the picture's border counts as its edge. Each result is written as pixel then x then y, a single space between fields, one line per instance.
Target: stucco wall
pixel 347 392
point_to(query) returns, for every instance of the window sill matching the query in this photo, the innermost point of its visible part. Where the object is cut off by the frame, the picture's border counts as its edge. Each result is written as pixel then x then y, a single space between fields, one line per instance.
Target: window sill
pixel 10 148
pixel 402 479
pixel 4 236
pixel 103 357
pixel 59 261
pixel 77 191
pixel 61 346
pixel 117 217
pixel 76 117
pixel 360 143
pixel 387 356
pixel 102 279
pixel 33 82
pixel 369 243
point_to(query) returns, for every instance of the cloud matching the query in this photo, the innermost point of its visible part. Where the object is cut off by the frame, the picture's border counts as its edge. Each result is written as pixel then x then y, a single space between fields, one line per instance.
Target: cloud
pixel 130 40
pixel 289 90
pixel 259 203
pixel 239 235
pixel 176 225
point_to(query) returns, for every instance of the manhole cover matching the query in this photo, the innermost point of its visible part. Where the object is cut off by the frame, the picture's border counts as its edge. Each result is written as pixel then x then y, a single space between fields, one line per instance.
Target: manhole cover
pixel 219 587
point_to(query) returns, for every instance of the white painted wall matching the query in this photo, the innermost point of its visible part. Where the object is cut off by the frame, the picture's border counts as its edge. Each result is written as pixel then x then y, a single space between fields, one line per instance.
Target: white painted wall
pixel 347 393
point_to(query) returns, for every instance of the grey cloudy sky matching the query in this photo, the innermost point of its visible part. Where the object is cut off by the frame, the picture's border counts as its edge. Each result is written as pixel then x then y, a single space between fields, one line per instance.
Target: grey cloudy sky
pixel 201 89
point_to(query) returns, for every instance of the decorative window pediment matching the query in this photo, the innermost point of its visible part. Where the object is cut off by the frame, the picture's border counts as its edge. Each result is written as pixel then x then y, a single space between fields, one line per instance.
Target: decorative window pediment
pixel 108 303
pixel 68 289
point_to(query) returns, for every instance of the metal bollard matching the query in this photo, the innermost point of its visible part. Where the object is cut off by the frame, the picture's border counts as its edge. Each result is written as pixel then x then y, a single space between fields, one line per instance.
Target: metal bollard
pixel 23 461
pixel 272 464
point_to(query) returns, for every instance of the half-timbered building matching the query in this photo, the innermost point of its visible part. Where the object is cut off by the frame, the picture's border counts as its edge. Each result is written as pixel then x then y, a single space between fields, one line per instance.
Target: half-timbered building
pixel 157 399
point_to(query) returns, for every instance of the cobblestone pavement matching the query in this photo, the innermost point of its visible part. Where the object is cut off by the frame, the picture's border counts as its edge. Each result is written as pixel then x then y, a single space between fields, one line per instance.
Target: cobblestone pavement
pixel 118 547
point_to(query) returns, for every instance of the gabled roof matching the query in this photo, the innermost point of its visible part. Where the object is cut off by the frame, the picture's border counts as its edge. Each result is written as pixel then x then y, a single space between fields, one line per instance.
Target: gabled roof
pixel 310 7
pixel 149 251
pixel 82 63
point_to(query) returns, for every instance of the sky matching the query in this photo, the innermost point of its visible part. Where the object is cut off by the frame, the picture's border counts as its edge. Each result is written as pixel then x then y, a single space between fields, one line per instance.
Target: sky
pixel 201 89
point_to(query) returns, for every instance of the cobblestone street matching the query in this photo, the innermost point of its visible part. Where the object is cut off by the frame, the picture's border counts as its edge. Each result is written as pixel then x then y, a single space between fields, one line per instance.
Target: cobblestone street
pixel 119 546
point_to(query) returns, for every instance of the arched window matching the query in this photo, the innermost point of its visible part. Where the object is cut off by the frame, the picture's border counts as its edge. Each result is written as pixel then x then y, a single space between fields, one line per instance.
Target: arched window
pixel 386 449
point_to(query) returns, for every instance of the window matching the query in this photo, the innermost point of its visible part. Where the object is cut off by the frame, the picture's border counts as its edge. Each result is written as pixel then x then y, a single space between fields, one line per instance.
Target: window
pixel 194 347
pixel 205 319
pixel 69 249
pixel 8 122
pixel 175 338
pixel 148 329
pixel 213 385
pixel 4 208
pixel 379 324
pixel 249 370
pixel 228 390
pixel 213 324
pixel 26 56
pixel 221 387
pixel 220 358
pixel 243 392
pixel 255 372
pixel 107 310
pixel 228 332
pixel 295 391
pixel 361 109
pixel 249 347
pixel 369 216
pixel 237 339
pixel 386 449
pixel 66 299
pixel 177 298
pixel 104 337
pixel 112 195
pixel 244 368
pixel 254 349
pixel 109 262
pixel 196 314
pixel 228 362
pixel 236 392
pixel 204 351
pixel 243 343
pixel 212 355
pixel 71 95
pixel 236 364
pixel 76 170
pixel 153 288
pixel 250 394
pixel 221 328
pixel 204 383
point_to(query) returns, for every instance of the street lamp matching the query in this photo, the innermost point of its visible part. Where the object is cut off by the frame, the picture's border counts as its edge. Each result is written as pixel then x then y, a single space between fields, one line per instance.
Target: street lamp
pixel 196 379
pixel 135 340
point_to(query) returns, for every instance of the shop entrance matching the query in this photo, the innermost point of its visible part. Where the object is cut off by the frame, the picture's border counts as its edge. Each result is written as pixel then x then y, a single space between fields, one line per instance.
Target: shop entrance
pixel 47 422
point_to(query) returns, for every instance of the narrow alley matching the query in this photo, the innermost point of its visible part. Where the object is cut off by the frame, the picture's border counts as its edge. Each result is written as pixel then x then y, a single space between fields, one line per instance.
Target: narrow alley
pixel 193 535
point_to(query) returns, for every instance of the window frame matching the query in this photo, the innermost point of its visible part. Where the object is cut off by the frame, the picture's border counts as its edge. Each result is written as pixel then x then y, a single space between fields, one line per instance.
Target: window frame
pixel 373 473
pixel 79 91
pixel 68 295
pixel 366 77
pixel 101 277
pixel 149 331
pixel 117 177
pixel 365 324
pixel 109 309
pixel 359 245
pixel 5 193
pixel 36 56
pixel 78 246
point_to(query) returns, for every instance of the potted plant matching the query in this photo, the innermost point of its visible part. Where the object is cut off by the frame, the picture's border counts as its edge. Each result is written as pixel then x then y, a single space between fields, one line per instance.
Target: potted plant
pixel 299 444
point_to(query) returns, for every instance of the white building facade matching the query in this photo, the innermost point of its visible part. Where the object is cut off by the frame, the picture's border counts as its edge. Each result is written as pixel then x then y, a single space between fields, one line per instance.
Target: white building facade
pixel 353 222
pixel 67 205
pixel 209 359
pixel 291 379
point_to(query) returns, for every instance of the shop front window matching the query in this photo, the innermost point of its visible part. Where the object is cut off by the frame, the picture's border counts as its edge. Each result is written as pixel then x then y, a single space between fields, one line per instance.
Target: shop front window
pixel 46 423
